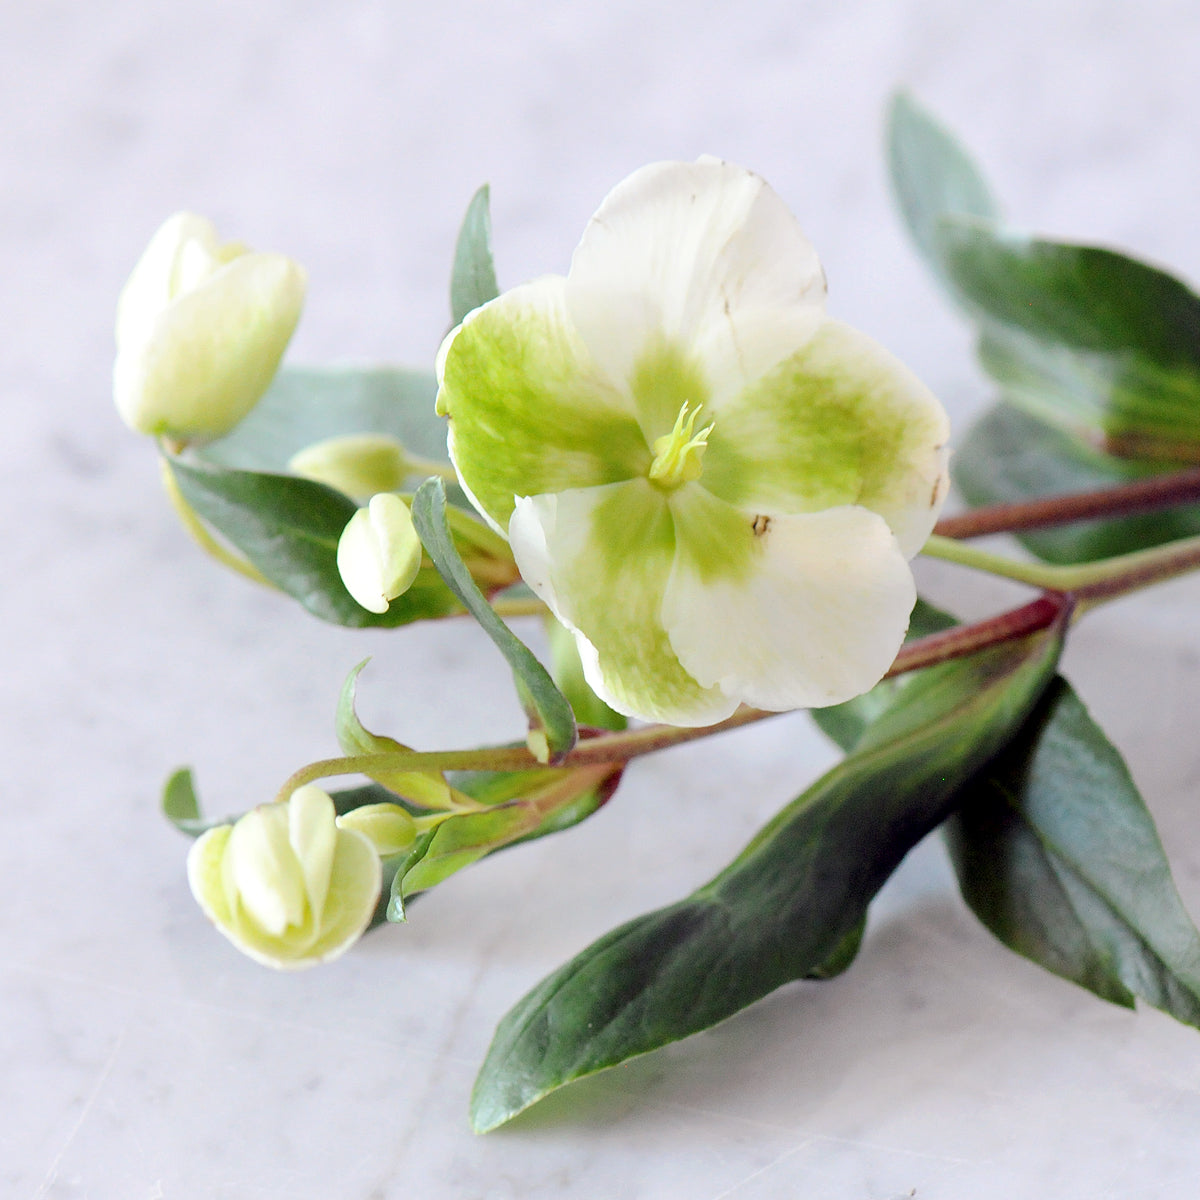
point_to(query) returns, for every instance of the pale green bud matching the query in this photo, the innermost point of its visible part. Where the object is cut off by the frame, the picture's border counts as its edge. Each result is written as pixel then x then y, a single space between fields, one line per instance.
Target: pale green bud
pixel 358 464
pixel 389 826
pixel 201 328
pixel 379 552
pixel 285 884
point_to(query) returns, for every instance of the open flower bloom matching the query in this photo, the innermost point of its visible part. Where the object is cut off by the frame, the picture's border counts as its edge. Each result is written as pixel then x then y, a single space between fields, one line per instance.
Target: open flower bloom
pixel 285 884
pixel 714 485
pixel 201 327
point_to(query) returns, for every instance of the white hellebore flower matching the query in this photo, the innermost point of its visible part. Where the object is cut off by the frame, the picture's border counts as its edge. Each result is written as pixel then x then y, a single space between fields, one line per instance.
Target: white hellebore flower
pixel 201 328
pixel 379 552
pixel 285 884
pixel 713 484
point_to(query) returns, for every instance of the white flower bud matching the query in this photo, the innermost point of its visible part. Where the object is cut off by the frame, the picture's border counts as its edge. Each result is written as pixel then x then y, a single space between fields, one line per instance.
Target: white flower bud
pixel 358 464
pixel 285 884
pixel 390 827
pixel 379 552
pixel 201 328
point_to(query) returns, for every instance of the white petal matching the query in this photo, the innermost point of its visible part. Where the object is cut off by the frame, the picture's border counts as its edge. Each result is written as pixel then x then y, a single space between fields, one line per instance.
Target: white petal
pixel 264 870
pixel 817 618
pixel 600 558
pixel 704 255
pixel 529 413
pixel 313 833
pixel 154 282
pixel 840 422
pixel 358 563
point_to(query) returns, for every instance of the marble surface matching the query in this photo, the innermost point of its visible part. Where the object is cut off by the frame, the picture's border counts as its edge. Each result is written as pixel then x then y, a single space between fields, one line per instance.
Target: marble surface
pixel 140 1056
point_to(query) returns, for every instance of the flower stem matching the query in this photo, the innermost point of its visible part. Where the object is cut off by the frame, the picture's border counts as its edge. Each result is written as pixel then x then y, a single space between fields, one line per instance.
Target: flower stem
pixel 1090 583
pixel 200 535
pixel 629 744
pixel 1143 495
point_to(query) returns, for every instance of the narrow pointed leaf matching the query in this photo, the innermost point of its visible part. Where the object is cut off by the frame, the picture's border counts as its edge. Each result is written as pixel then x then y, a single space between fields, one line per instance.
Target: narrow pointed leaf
pixel 786 907
pixel 1058 856
pixel 1009 456
pixel 473 280
pixel 932 177
pixel 548 710
pixel 567 671
pixel 428 789
pixel 289 529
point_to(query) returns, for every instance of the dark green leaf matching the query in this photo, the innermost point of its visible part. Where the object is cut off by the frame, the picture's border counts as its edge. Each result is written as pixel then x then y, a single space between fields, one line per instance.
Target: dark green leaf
pixel 1059 858
pixel 1010 456
pixel 787 907
pixel 932 176
pixel 1083 337
pixel 289 529
pixel 549 713
pixel 473 280
pixel 567 670
pixel 843 954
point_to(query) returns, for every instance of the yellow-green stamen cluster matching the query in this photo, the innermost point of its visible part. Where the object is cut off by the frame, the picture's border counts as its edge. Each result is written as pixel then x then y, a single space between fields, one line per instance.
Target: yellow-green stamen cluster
pixel 677 454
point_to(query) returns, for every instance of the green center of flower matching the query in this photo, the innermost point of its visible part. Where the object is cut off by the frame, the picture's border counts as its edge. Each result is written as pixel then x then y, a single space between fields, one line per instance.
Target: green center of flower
pixel 677 455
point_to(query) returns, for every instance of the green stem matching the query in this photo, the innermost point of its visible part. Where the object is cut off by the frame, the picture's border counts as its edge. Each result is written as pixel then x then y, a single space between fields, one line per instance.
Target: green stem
pixel 629 744
pixel 1090 583
pixel 200 535
pixel 530 607
pixel 1037 575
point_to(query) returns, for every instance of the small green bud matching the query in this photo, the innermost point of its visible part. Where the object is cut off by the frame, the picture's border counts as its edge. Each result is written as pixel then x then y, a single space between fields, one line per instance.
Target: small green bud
pixel 379 552
pixel 201 327
pixel 389 826
pixel 358 464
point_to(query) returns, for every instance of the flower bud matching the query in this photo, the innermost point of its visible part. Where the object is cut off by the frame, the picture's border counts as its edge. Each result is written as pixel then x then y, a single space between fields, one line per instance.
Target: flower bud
pixel 379 552
pixel 358 464
pixel 285 884
pixel 201 328
pixel 390 828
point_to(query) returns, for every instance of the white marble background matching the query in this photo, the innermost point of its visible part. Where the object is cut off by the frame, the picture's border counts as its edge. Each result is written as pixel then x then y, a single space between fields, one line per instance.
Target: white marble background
pixel 140 1057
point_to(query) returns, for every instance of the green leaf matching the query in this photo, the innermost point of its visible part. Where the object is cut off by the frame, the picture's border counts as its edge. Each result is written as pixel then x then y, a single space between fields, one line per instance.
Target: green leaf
pixel 1059 858
pixel 289 529
pixel 473 280
pixel 566 668
pixel 310 404
pixel 180 805
pixel 790 903
pixel 549 713
pixel 1083 337
pixel 1010 456
pixel 426 789
pixel 524 805
pixel 932 177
